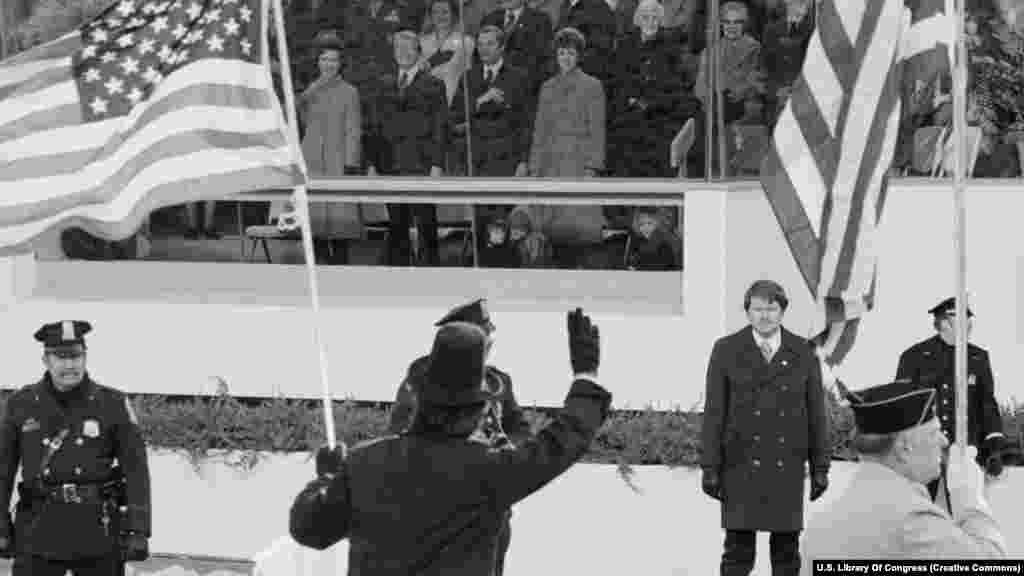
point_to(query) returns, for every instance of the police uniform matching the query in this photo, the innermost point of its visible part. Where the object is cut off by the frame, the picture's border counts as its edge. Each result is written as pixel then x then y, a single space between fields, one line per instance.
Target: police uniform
pixel 883 515
pixel 931 362
pixel 503 424
pixel 84 499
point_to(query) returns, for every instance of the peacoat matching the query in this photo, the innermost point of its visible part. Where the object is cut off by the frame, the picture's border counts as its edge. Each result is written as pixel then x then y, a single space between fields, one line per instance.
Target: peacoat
pixel 332 117
pixel 764 422
pixel 882 514
pixel 932 361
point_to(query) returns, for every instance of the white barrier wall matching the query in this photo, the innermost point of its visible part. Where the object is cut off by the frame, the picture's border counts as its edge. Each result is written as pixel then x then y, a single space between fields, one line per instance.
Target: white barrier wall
pixel 175 327
pixel 585 522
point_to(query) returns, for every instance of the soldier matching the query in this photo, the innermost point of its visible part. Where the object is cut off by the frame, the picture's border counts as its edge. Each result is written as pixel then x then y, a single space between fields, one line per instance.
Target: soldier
pixel 503 424
pixel 433 499
pixel 931 363
pixel 84 499
pixel 885 513
pixel 764 421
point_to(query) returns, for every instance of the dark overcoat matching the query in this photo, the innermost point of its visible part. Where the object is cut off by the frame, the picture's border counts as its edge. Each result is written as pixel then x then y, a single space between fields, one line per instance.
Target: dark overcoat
pixel 764 422
pixel 97 428
pixel 932 361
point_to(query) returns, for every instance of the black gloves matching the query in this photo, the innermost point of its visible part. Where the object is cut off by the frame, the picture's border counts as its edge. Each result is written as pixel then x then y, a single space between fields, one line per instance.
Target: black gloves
pixel 330 461
pixel 584 343
pixel 711 484
pixel 819 483
pixel 135 547
pixel 990 457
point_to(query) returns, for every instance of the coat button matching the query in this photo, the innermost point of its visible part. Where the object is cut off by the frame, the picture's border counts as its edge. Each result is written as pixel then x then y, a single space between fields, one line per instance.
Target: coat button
pixel 79 441
pixel 757 412
pixel 46 472
pixel 782 439
pixel 77 470
pixel 779 463
pixel 782 412
pixel 757 437
pixel 784 387
pixel 756 462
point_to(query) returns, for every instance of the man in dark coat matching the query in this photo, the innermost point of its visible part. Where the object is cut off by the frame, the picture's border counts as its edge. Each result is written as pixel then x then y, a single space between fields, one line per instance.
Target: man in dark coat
pixel 409 127
pixel 764 420
pixel 502 425
pixel 529 42
pixel 932 362
pixel 432 499
pixel 84 498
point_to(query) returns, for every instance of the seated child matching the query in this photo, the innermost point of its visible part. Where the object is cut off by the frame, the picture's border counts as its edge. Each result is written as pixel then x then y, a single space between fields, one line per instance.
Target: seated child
pixel 648 246
pixel 498 251
pixel 531 246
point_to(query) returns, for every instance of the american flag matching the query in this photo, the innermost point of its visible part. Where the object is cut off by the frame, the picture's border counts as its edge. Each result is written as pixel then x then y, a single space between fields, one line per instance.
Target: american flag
pixel 152 103
pixel 825 175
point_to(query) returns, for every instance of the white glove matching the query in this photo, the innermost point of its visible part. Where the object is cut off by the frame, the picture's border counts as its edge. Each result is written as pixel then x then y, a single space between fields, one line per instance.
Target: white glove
pixel 965 481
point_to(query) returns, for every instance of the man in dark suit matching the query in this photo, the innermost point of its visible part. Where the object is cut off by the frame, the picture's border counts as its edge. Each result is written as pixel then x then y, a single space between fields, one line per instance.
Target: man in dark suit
pixel 764 421
pixel 932 362
pixel 529 41
pixel 596 20
pixel 410 121
pixel 500 122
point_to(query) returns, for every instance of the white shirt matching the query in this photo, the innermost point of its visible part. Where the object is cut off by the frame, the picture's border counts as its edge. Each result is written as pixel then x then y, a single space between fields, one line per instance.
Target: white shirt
pixel 409 75
pixel 515 15
pixel 493 70
pixel 774 341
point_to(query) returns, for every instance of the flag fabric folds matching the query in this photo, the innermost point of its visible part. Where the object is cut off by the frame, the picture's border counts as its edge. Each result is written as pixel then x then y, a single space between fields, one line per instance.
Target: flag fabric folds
pixel 826 172
pixel 152 103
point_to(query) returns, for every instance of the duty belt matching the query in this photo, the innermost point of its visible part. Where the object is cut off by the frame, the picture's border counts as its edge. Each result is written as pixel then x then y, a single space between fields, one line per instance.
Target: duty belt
pixel 73 493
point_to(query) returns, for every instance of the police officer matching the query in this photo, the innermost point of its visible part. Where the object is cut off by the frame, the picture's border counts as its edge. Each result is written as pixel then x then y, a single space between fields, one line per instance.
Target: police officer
pixel 932 363
pixel 502 425
pixel 84 499
pixel 433 499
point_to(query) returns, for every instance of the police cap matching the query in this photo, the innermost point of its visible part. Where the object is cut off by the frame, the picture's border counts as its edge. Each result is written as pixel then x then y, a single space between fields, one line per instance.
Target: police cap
pixel 892 407
pixel 63 334
pixel 947 307
pixel 456 367
pixel 474 312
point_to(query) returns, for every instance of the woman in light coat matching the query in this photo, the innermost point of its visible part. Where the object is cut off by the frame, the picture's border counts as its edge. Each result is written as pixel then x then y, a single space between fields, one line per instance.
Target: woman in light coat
pixel 329 109
pixel 569 142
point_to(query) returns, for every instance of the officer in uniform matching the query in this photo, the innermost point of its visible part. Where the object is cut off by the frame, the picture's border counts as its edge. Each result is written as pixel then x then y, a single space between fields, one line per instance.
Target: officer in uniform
pixel 503 424
pixel 886 513
pixel 931 362
pixel 84 499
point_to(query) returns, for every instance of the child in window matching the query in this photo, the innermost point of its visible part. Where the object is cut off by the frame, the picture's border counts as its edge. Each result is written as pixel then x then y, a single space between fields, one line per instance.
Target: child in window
pixel 648 246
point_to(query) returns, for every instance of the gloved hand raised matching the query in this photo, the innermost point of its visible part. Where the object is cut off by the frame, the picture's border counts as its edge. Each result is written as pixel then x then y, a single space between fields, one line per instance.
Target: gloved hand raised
pixel 584 343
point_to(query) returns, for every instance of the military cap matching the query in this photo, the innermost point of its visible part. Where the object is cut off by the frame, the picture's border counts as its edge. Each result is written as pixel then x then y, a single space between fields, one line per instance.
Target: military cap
pixel 474 312
pixel 456 367
pixel 63 333
pixel 947 307
pixel 893 407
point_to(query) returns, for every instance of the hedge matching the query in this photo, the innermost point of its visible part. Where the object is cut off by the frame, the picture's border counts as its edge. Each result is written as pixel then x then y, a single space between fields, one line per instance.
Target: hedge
pixel 239 430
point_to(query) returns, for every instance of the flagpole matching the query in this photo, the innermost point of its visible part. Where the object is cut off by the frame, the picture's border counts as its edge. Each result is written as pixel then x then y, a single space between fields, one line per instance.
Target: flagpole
pixel 464 78
pixel 960 150
pixel 302 199
pixel 711 62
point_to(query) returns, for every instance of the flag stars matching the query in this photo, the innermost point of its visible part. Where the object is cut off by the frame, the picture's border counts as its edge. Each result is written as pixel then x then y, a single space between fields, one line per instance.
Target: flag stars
pixel 98 106
pixel 126 8
pixel 159 24
pixel 108 57
pixel 246 46
pixel 114 22
pixel 136 22
pixel 231 27
pixel 194 36
pixel 216 43
pixel 166 54
pixel 134 96
pixel 179 32
pixel 211 16
pixel 152 76
pixel 181 57
pixel 91 75
pixel 146 46
pixel 89 52
pixel 114 86
pixel 130 65
pixel 245 13
pixel 194 11
pixel 99 35
pixel 125 41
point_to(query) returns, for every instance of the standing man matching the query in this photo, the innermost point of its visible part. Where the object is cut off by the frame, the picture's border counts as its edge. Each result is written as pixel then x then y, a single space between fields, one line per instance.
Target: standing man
pixel 502 426
pixel 433 499
pixel 931 362
pixel 886 512
pixel 410 123
pixel 764 420
pixel 77 509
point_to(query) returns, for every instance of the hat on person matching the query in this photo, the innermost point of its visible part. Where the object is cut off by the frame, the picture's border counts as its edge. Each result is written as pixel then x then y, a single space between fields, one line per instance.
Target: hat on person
pixel 474 312
pixel 328 40
pixel 455 369
pixel 63 334
pixel 947 307
pixel 893 407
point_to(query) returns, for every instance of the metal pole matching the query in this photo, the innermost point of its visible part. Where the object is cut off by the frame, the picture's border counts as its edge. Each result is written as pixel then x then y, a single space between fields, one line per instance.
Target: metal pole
pixel 960 217
pixel 711 65
pixel 469 126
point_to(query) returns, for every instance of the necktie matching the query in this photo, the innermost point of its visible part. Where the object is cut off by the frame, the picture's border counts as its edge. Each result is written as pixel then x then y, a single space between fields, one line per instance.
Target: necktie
pixel 509 19
pixel 403 80
pixel 766 351
pixel 488 75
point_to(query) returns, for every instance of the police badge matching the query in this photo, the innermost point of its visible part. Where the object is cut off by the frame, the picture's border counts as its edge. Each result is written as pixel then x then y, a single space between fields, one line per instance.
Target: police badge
pixel 971 381
pixel 91 429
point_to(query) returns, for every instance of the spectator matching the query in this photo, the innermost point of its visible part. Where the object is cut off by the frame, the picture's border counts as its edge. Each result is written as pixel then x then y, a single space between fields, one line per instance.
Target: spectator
pixel 530 244
pixel 648 246
pixel 568 142
pixel 498 250
pixel 409 126
pixel 474 12
pixel 529 38
pixel 785 38
pixel 595 19
pixel 446 52
pixel 648 99
pixel 500 118
pixel 739 64
pixel 330 112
